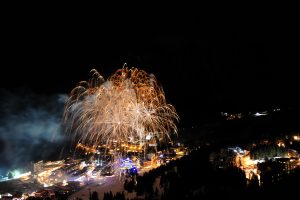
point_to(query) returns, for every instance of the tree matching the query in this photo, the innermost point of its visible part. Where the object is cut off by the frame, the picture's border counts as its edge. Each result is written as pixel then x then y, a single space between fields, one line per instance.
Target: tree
pixel 130 186
pixel 156 192
pixel 106 196
pixel 95 196
pixel 253 183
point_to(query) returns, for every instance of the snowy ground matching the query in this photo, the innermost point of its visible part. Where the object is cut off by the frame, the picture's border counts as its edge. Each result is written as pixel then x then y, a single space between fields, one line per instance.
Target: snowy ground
pixel 106 184
pixel 101 186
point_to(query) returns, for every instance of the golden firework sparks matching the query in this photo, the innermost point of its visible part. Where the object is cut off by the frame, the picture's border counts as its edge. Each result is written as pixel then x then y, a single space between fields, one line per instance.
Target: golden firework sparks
pixel 126 108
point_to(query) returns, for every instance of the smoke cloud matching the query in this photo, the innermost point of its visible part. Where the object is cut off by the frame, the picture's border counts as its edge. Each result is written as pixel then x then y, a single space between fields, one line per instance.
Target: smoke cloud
pixel 30 128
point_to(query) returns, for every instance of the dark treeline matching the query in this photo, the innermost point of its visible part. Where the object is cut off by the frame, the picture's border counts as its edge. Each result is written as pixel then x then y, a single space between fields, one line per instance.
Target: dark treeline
pixel 193 177
pixel 267 151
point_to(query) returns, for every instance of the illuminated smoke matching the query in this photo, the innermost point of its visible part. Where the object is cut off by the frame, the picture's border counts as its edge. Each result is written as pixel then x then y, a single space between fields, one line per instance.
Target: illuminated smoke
pixel 30 127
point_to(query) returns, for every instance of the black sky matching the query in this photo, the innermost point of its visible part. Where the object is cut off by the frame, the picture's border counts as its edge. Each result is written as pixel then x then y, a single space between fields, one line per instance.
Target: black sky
pixel 202 69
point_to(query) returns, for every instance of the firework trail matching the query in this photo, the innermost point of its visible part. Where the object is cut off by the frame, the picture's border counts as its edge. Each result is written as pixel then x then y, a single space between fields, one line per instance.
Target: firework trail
pixel 125 108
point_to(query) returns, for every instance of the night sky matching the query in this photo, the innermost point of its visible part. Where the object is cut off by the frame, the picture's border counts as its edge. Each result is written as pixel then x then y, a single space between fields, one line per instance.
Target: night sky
pixel 203 70
pixel 221 70
pixel 203 66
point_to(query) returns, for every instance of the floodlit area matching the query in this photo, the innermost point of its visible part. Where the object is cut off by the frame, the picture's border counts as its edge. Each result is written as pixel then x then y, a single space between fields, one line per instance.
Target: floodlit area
pixel 72 177
pixel 252 167
pixel 261 158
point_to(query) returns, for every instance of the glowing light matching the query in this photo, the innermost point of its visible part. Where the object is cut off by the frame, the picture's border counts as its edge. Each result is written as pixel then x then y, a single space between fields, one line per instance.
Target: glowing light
pixel 280 144
pixel 16 174
pixel 260 114
pixel 65 183
pixel 127 163
pixel 148 137
pixel 296 137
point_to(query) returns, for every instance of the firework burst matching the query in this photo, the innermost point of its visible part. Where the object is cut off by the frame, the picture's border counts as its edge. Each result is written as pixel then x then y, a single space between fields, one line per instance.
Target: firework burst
pixel 125 108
